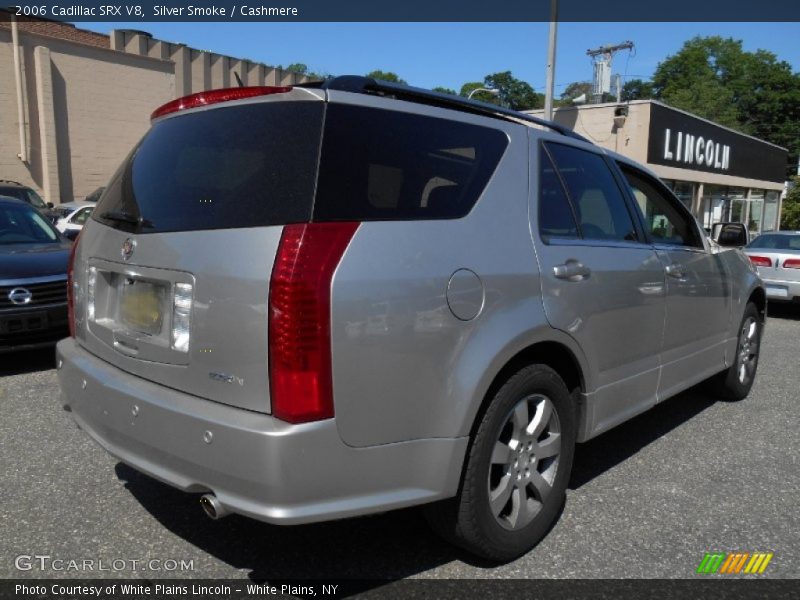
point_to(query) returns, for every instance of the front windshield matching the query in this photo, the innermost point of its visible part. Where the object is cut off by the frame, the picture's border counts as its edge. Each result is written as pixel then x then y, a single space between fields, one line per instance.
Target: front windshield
pixel 23 225
pixel 36 199
pixel 779 242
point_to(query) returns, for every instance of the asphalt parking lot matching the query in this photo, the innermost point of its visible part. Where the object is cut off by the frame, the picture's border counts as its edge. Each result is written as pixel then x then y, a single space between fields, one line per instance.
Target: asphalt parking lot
pixel 646 500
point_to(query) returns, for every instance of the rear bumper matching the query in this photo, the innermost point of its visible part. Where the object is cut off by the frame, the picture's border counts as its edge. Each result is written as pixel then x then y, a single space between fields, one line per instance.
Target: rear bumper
pixel 256 465
pixel 779 290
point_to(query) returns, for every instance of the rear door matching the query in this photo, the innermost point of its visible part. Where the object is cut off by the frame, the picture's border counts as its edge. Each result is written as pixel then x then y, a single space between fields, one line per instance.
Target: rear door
pixel 698 306
pixel 178 253
pixel 601 282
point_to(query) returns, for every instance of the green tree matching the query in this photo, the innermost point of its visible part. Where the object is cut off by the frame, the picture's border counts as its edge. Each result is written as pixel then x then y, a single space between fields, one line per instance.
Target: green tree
pixel 575 89
pixel 753 92
pixel 637 89
pixel 471 86
pixel 386 76
pixel 514 93
pixel 790 212
pixel 444 90
pixel 298 68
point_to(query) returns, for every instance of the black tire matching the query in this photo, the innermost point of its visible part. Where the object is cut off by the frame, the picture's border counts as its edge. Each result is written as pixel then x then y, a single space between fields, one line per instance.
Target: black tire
pixel 729 384
pixel 468 520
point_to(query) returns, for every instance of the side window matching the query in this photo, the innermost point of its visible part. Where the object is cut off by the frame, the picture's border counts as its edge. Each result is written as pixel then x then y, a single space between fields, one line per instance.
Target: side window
pixel 81 216
pixel 663 221
pixel 598 201
pixel 556 218
pixel 383 165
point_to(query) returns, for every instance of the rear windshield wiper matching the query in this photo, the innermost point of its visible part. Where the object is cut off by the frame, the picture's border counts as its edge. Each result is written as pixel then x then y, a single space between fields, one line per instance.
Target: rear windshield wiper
pixel 124 217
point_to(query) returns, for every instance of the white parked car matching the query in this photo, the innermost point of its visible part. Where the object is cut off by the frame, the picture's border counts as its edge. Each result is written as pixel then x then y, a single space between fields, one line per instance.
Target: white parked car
pixel 72 218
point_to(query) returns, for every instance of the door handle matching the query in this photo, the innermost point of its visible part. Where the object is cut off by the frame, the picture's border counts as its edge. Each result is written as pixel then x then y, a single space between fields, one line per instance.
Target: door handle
pixel 572 270
pixel 676 271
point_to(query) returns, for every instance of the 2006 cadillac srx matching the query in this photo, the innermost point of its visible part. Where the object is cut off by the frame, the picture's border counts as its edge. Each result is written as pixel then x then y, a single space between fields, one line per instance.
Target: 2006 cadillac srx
pixel 317 302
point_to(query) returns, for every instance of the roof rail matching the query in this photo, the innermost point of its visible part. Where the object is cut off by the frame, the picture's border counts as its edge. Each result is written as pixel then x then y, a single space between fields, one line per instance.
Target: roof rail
pixel 368 85
pixel 12 182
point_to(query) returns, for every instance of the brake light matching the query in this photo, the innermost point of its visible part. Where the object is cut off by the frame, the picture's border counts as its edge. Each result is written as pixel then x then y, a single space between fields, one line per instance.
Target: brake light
pixel 301 384
pixel 215 97
pixel 70 286
pixel 760 261
pixel 791 263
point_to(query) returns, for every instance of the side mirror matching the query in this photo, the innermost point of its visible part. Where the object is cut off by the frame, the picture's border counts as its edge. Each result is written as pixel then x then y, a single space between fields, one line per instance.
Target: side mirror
pixel 730 234
pixel 50 205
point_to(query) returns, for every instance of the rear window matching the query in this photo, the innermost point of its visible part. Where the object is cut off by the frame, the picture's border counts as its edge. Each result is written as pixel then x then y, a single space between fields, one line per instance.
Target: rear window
pixel 387 165
pixel 241 166
pixel 257 165
pixel 783 242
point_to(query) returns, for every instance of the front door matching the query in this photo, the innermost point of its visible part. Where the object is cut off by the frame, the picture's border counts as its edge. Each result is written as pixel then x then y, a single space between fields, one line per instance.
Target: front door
pixel 698 288
pixel 602 283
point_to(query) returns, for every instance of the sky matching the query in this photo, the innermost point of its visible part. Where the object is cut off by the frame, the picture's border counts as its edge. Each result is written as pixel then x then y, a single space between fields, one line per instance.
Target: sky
pixel 450 54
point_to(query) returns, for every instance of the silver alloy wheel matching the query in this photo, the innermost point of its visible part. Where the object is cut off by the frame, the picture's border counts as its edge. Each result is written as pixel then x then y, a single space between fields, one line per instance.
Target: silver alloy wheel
pixel 524 461
pixel 748 350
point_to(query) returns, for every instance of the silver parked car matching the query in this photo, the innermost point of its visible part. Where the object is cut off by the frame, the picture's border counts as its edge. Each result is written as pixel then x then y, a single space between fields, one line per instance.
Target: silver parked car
pixel 318 302
pixel 776 256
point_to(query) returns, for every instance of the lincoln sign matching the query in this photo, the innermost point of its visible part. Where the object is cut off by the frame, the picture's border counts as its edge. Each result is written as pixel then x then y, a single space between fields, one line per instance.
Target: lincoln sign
pixel 678 139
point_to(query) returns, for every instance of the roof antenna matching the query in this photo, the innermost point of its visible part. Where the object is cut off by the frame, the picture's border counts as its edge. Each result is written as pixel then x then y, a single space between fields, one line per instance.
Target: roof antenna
pixel 238 79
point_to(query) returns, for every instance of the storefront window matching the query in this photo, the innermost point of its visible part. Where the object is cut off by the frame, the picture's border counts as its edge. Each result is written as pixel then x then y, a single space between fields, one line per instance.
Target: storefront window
pixel 723 204
pixel 756 206
pixel 771 210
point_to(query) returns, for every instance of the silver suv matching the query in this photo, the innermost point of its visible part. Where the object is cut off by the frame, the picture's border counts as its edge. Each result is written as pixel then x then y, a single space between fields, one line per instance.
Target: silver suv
pixel 313 303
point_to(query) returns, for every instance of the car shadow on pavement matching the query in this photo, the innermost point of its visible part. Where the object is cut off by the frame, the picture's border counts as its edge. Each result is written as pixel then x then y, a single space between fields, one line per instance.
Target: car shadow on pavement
pixel 619 444
pixel 381 548
pixel 27 361
pixel 783 310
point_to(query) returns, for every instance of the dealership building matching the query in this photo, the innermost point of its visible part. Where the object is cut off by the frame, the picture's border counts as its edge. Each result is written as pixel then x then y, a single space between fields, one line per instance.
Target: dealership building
pixel 73 102
pixel 718 173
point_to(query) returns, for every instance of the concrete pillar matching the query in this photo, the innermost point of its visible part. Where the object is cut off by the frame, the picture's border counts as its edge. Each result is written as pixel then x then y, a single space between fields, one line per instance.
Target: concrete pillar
pixel 136 44
pixel 697 201
pixel 118 40
pixel 181 56
pixel 201 71
pixel 159 49
pixel 47 124
pixel 220 71
pixel 271 76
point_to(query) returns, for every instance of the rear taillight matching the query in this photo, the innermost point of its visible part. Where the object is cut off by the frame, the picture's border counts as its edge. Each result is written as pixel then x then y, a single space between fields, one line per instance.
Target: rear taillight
pixel 70 286
pixel 215 97
pixel 760 261
pixel 791 263
pixel 301 385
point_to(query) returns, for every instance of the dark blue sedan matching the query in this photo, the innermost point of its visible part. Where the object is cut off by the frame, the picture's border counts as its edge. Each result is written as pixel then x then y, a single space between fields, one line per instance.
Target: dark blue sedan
pixel 33 278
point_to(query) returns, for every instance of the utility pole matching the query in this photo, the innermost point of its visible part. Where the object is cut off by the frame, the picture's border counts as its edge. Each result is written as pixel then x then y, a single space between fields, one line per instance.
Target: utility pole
pixel 601 58
pixel 551 61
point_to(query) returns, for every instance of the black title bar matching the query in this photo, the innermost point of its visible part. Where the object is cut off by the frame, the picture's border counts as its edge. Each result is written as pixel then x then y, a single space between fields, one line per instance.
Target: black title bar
pixel 408 10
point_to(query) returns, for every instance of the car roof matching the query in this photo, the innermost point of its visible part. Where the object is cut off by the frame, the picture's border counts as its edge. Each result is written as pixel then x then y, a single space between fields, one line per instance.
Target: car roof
pixel 781 233
pixel 7 183
pixel 9 201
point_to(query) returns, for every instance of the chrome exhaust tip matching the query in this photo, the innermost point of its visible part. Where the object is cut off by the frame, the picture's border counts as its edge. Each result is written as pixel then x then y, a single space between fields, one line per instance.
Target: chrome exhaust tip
pixel 212 507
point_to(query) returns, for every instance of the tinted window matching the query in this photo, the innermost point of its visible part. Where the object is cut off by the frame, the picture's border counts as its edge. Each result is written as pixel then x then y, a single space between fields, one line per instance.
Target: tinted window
pixel 783 243
pixel 241 166
pixel 36 200
pixel 663 220
pixel 386 165
pixel 81 216
pixel 21 225
pixel 596 197
pixel 555 214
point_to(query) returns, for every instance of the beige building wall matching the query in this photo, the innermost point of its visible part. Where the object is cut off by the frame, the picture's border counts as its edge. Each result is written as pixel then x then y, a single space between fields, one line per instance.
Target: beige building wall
pixel 85 108
pixel 87 100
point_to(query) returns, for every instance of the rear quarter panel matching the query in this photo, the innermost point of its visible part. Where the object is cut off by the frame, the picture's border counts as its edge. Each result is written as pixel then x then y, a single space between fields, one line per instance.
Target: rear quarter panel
pixel 404 367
